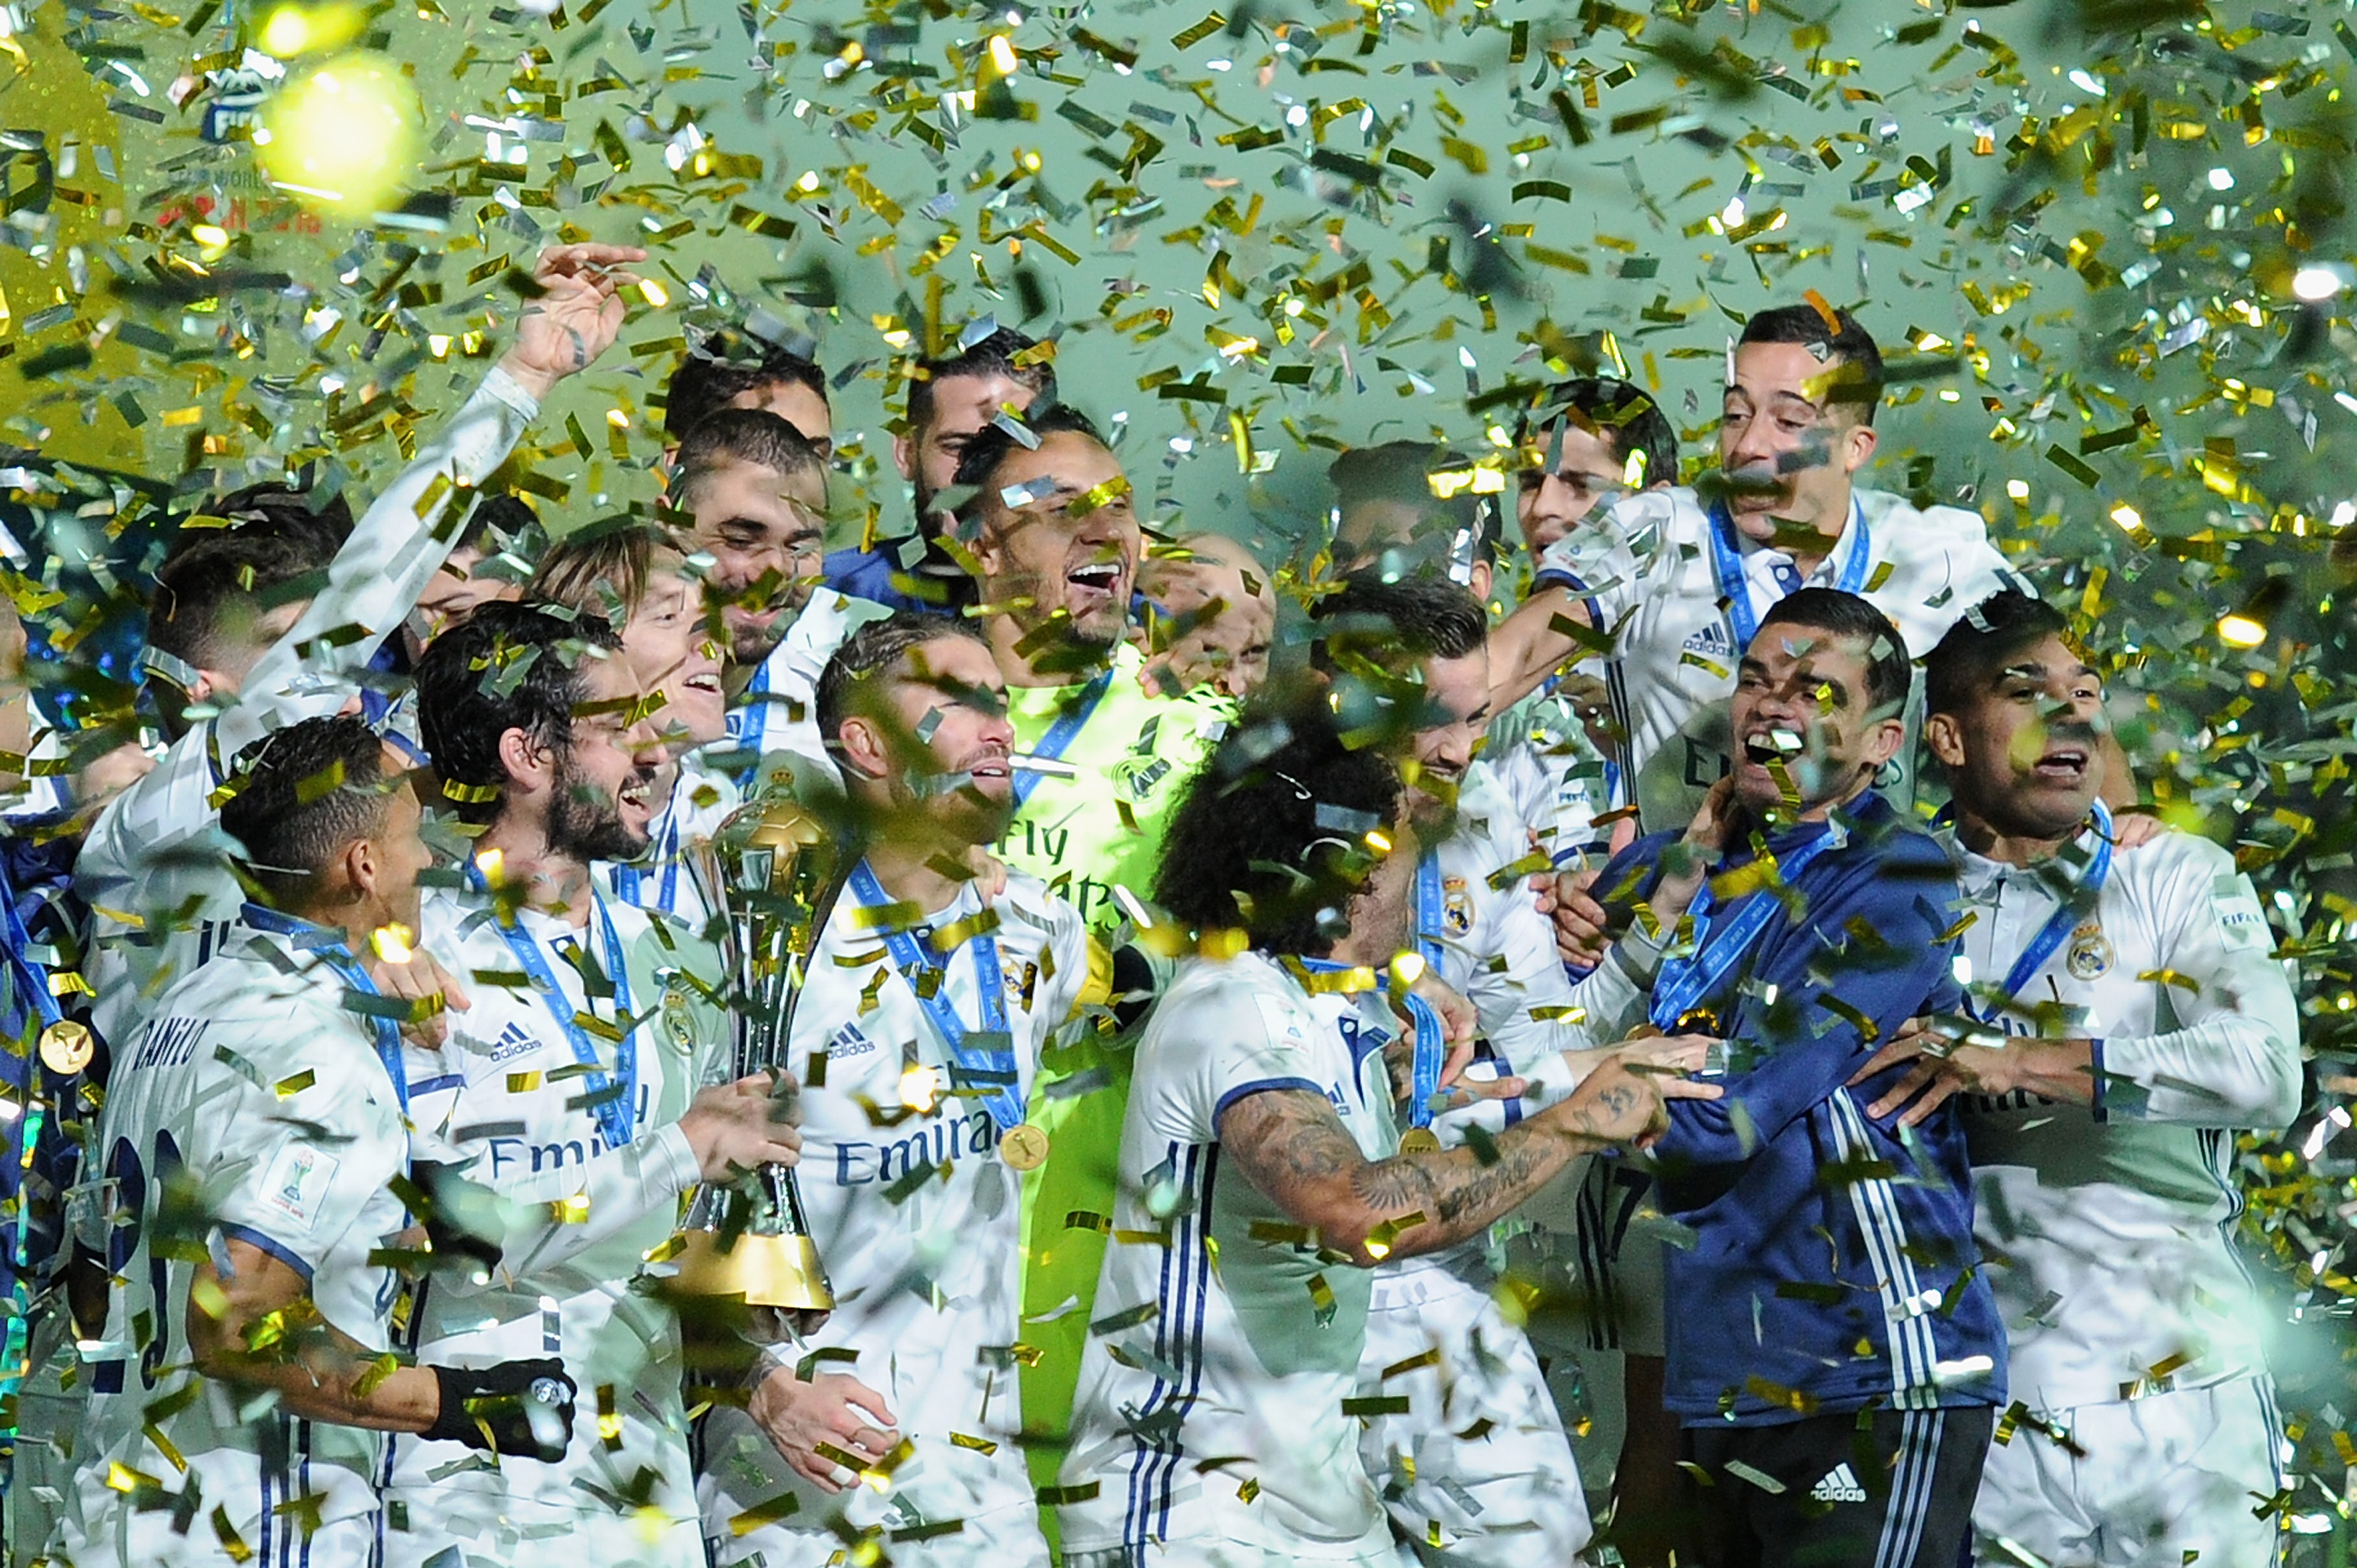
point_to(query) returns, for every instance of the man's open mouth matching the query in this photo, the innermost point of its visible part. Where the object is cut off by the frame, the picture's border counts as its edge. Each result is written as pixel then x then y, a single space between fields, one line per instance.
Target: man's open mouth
pixel 1097 576
pixel 1765 745
pixel 2063 765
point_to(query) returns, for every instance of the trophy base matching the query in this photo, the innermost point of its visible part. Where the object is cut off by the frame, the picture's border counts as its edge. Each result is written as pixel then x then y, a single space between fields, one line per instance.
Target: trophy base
pixel 766 1270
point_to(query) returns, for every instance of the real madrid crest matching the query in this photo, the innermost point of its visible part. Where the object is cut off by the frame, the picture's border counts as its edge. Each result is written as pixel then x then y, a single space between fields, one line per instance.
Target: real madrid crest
pixel 679 1022
pixel 1455 907
pixel 2089 954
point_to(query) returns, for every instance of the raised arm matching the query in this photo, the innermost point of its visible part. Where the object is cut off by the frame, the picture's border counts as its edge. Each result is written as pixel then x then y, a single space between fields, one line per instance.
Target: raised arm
pixel 376 578
pixel 1292 1146
pixel 1532 643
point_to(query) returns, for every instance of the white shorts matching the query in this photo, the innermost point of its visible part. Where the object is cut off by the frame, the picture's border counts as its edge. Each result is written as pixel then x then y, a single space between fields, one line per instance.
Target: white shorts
pixel 987 1497
pixel 2157 1480
pixel 1480 1459
pixel 487 1531
pixel 1223 1552
pixel 124 1538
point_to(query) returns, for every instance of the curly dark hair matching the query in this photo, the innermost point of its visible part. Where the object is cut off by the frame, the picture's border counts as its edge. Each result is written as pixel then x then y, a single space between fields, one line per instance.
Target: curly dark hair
pixel 507 666
pixel 1269 836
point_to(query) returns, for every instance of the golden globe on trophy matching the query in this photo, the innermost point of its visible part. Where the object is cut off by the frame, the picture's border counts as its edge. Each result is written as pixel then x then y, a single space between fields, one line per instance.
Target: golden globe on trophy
pixel 748 1239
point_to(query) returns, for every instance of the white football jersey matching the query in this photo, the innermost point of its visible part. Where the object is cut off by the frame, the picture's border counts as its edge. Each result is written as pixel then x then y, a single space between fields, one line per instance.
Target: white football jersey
pixel 1648 574
pixel 1223 1347
pixel 254 1085
pixel 1496 949
pixel 1558 781
pixel 1498 952
pixel 507 1093
pixel 916 1220
pixel 666 879
pixel 2110 1235
pixel 153 870
pixel 776 718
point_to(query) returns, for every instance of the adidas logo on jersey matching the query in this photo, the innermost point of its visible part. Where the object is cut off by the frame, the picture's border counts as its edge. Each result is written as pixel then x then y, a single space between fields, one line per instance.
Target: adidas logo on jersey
pixel 1839 1485
pixel 1711 640
pixel 514 1041
pixel 848 1041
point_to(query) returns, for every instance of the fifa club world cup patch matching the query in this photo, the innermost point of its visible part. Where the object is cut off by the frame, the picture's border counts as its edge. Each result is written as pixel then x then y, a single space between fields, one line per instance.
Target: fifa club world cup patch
pixel 1455 907
pixel 298 1181
pixel 2090 955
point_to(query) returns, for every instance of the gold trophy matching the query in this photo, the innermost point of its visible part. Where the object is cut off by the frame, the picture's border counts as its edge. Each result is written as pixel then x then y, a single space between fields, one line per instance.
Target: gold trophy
pixel 748 1239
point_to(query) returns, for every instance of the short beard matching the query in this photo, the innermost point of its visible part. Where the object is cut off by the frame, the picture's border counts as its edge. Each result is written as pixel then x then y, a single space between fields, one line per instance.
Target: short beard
pixel 949 803
pixel 586 824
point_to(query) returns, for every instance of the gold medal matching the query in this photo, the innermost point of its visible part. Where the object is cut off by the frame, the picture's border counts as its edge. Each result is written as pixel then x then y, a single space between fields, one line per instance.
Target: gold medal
pixel 67 1047
pixel 1419 1141
pixel 1023 1147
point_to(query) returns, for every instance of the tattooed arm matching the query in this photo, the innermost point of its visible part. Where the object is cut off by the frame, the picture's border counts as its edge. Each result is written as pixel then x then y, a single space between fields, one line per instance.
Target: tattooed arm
pixel 1292 1146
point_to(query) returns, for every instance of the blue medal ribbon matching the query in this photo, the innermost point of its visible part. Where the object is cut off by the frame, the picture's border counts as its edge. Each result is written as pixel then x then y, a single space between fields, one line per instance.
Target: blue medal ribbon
pixel 1061 736
pixel 991 1067
pixel 616 1111
pixel 1682 982
pixel 2065 917
pixel 1735 584
pixel 327 944
pixel 33 980
pixel 1431 1039
pixel 749 720
pixel 629 879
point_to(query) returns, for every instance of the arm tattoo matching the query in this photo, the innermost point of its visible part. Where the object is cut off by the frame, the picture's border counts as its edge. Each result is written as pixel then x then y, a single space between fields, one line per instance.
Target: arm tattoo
pixel 1293 1147
pixel 1286 1140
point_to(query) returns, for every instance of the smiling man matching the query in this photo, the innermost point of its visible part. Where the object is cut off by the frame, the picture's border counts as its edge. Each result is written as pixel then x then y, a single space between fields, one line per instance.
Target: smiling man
pixel 1675 581
pixel 2131 1019
pixel 951 398
pixel 1828 1329
pixel 636 578
pixel 930 1002
pixel 1099 760
pixel 754 491
pixel 570 1097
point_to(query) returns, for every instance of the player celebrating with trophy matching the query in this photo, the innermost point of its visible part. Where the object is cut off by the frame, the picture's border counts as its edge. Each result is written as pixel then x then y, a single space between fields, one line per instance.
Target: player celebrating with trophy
pixel 927 1003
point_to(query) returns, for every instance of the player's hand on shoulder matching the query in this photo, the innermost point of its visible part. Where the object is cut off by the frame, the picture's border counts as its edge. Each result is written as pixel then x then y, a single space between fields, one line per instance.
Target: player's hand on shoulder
pixel 2134 829
pixel 1614 1105
pixel 735 1128
pixel 1669 1058
pixel 831 1411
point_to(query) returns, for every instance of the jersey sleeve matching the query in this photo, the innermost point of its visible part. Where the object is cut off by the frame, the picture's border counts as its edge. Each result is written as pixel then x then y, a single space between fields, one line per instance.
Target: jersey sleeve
pixel 376 578
pixel 373 581
pixel 1068 951
pixel 2233 1059
pixel 557 1214
pixel 1600 560
pixel 1222 1044
pixel 1975 568
pixel 1821 995
pixel 300 1158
